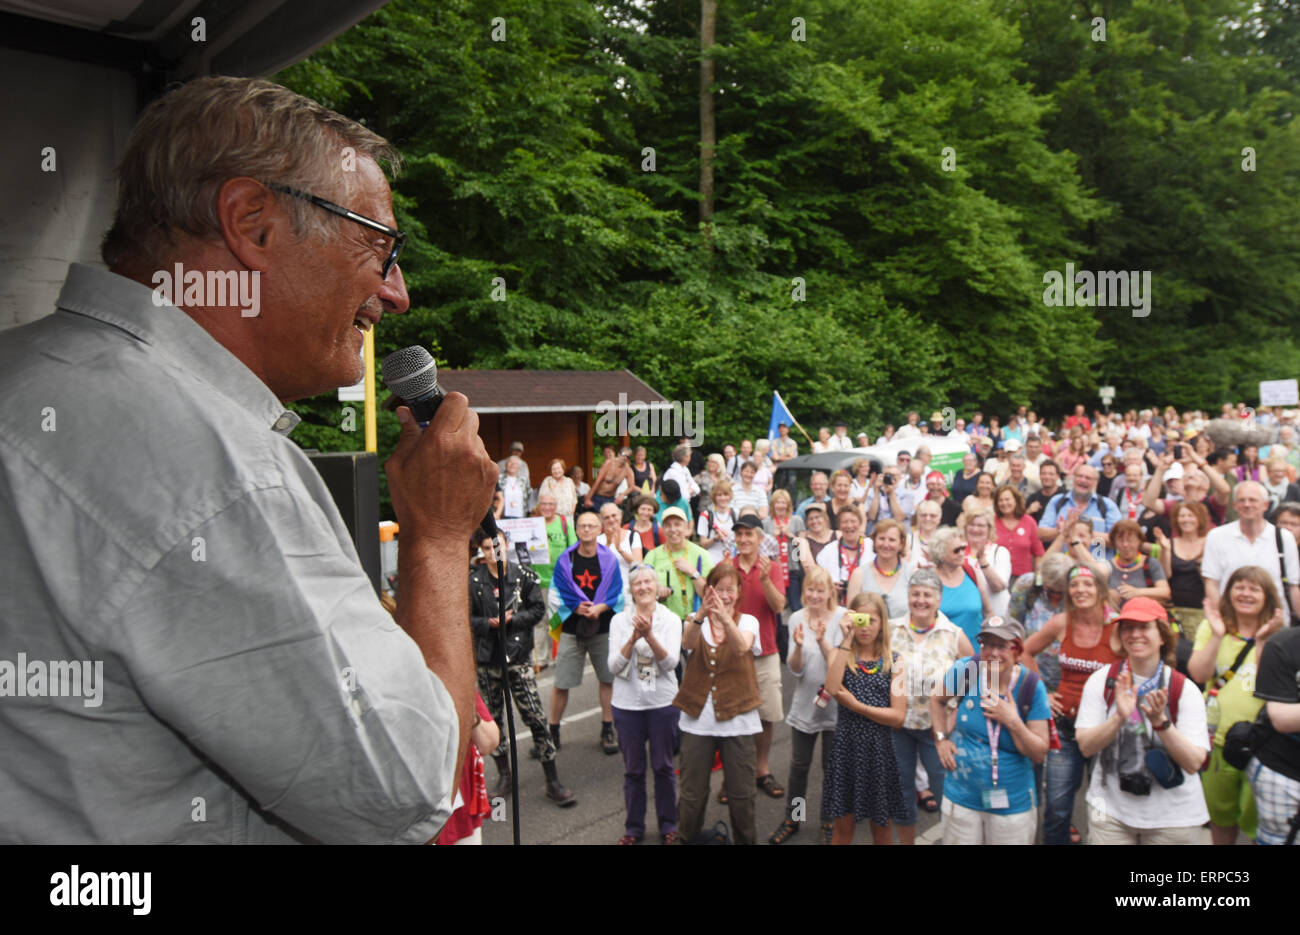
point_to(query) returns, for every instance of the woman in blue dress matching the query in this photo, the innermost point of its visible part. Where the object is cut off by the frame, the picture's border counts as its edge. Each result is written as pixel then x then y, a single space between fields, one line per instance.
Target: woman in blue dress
pixel 862 782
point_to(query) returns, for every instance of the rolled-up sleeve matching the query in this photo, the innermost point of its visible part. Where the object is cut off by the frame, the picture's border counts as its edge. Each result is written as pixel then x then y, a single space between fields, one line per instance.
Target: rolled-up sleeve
pixel 259 640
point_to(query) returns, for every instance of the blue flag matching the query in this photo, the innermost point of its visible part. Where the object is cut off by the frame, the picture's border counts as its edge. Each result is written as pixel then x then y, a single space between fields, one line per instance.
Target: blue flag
pixel 779 414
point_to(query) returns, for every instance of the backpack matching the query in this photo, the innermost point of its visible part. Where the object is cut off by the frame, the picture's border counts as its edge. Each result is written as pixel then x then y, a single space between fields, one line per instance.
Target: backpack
pixel 1176 682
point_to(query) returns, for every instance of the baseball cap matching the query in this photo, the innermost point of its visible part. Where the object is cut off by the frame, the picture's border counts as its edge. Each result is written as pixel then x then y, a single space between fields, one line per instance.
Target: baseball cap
pixel 1175 471
pixel 1007 628
pixel 935 475
pixel 674 511
pixel 815 505
pixel 1013 444
pixel 1141 610
pixel 749 521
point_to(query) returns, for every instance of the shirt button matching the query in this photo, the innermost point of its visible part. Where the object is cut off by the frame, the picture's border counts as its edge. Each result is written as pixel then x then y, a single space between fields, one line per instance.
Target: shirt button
pixel 282 423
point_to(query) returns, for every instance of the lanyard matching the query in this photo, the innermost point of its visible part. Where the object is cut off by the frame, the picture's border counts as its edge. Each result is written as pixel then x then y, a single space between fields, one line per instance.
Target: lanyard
pixel 681 581
pixel 1131 498
pixel 994 729
pixel 857 557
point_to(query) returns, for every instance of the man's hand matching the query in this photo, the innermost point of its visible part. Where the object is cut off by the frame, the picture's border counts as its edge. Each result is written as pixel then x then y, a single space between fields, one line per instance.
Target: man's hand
pixel 683 566
pixel 764 564
pixel 441 480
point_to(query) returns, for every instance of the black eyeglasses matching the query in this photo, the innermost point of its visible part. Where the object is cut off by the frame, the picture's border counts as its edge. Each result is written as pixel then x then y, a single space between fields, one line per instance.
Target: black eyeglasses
pixel 399 239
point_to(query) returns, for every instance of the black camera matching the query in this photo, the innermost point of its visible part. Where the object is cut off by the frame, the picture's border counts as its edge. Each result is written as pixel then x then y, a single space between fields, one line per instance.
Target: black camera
pixel 1138 783
pixel 887 480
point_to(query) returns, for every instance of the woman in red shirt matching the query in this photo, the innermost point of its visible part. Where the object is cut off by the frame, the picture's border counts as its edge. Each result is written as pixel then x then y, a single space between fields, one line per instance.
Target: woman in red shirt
pixel 1084 628
pixel 465 826
pixel 1016 532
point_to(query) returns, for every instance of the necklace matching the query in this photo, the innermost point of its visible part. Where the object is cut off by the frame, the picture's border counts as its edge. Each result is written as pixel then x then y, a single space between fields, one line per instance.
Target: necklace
pixel 870 668
pixel 912 626
pixel 887 574
pixel 1126 566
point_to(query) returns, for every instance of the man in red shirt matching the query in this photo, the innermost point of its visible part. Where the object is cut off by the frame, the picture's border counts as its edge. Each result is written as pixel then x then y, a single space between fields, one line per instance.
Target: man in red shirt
pixel 1078 419
pixel 762 595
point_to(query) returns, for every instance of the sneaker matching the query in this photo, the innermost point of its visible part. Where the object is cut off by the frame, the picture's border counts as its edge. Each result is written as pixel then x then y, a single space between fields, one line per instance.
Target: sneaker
pixel 608 742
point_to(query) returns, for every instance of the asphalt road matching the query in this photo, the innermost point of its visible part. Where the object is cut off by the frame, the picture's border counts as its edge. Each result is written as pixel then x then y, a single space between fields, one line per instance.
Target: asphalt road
pixel 597 781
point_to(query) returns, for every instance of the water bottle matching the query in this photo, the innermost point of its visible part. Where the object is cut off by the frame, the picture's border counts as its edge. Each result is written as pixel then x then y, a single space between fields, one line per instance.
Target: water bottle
pixel 1212 714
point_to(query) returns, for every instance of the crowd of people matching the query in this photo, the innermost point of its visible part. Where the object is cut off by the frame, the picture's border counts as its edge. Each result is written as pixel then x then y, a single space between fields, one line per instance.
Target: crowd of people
pixel 1108 600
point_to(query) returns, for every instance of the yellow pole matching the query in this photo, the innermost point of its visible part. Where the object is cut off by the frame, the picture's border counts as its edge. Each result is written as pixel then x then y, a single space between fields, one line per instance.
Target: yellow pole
pixel 372 430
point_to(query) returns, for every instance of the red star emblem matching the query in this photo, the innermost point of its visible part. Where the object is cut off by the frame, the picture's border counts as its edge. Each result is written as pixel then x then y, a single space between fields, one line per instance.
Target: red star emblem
pixel 586 580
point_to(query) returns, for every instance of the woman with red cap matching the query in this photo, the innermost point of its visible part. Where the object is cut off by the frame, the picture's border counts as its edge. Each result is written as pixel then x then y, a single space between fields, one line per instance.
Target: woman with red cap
pixel 1147 722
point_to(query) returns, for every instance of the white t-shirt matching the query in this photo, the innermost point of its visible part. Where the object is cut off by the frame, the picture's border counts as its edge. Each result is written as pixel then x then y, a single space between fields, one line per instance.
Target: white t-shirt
pixel 1227 549
pixel 999 558
pixel 742 498
pixel 831 559
pixel 513 493
pixel 1180 807
pixel 682 475
pixel 717 525
pixel 630 541
pixel 742 725
pixel 643 682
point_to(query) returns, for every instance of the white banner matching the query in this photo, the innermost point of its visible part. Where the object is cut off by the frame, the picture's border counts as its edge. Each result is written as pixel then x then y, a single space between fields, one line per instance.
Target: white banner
pixel 1279 393
pixel 530 530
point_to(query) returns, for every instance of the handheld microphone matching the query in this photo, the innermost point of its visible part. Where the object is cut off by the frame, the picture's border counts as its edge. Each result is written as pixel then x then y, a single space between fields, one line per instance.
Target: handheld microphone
pixel 411 375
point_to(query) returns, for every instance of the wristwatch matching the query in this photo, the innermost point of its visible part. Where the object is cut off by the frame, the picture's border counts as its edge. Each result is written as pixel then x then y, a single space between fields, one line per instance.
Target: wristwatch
pixel 940 736
pixel 1164 726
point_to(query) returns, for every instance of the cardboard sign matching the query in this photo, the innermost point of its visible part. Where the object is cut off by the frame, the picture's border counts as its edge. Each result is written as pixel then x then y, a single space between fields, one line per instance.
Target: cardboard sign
pixel 1279 393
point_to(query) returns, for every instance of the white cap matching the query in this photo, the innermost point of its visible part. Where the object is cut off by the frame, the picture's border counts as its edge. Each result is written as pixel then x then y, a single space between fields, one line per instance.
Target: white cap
pixel 1013 444
pixel 1175 472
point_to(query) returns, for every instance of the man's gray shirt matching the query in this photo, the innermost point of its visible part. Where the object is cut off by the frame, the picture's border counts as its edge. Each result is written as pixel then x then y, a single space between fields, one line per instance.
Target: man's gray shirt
pixel 156 519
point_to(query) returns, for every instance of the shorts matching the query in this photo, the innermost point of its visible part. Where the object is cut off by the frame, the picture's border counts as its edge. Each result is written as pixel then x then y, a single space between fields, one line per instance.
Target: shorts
pixel 1228 796
pixel 768 670
pixel 1278 800
pixel 962 825
pixel 569 660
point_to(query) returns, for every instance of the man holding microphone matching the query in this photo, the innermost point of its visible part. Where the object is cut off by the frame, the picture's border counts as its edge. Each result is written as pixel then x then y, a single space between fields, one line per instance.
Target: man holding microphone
pixel 156 519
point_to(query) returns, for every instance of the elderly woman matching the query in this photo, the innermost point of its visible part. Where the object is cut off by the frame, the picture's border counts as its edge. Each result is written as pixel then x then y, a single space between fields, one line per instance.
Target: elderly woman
pixel 964 602
pixel 1225 657
pixel 1148 723
pixel 928 643
pixel 817 535
pixel 887 574
pixel 561 487
pixel 925 524
pixel 1084 630
pixel 644 643
pixel 992 560
pixel 815 632
pixel 719 700
pixel 749 493
pixel 514 491
pixel 841 490
pixel 852 550
pixel 1133 574
pixel 1001 731
pixel 963 482
pixel 715 469
pixel 860 486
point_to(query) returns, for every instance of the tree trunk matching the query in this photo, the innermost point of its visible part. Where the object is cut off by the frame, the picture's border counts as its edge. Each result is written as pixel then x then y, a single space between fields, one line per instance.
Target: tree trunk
pixel 708 128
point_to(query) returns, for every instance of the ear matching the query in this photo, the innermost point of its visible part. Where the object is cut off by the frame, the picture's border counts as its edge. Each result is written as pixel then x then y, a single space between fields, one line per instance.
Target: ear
pixel 252 224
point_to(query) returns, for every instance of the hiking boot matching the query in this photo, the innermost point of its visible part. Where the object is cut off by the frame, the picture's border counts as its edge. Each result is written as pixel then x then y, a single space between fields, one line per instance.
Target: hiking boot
pixel 608 742
pixel 502 786
pixel 555 790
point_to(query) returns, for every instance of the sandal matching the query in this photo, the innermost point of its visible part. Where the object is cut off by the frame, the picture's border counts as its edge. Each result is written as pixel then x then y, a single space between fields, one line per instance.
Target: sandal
pixel 629 839
pixel 782 834
pixel 828 828
pixel 926 801
pixel 674 837
pixel 769 785
pixel 1075 837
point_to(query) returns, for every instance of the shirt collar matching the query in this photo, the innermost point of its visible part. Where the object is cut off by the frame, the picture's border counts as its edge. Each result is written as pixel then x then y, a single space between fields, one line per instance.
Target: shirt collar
pixel 129 306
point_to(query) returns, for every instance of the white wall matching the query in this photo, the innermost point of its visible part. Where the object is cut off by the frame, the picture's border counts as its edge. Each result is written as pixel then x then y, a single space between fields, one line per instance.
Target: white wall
pixel 49 219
